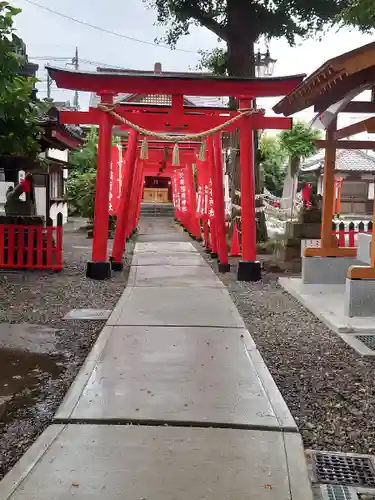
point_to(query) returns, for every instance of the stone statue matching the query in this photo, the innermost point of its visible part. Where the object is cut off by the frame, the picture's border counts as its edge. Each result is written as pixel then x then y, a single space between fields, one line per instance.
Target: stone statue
pixel 313 213
pixel 16 207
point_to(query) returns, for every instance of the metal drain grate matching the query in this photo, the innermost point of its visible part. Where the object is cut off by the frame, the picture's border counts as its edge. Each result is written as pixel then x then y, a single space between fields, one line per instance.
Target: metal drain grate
pixel 337 492
pixel 367 340
pixel 341 469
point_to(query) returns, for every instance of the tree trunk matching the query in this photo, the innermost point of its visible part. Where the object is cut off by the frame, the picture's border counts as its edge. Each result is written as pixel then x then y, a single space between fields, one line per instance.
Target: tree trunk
pixel 241 63
pixel 241 39
pixel 290 185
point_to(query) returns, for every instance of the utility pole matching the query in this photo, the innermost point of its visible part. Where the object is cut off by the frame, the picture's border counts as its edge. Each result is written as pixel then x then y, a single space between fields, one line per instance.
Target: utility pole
pixel 49 85
pixel 75 62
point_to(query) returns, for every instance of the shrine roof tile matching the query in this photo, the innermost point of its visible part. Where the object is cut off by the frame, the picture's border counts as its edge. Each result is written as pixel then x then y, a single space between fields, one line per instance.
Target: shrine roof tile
pixel 347 160
pixel 198 101
pixel 331 81
pixel 164 83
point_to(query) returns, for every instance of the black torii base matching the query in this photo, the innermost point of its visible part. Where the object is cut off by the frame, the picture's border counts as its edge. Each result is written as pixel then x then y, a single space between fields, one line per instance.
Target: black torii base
pixel 249 270
pixel 98 270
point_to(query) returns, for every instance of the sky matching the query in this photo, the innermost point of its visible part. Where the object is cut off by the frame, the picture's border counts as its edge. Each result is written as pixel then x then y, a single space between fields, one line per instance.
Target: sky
pixel 52 36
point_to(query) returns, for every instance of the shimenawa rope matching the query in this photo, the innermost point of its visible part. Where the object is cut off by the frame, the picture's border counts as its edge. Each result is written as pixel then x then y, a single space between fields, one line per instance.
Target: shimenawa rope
pixel 175 139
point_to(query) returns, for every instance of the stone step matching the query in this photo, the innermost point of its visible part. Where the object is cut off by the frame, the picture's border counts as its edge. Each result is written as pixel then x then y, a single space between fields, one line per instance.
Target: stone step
pixel 157 210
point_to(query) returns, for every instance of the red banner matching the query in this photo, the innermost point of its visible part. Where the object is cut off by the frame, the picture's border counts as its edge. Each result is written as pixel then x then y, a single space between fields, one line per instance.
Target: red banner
pixel 115 180
pixel 183 191
pixel 205 202
pixel 210 209
pixel 175 191
pixel 200 201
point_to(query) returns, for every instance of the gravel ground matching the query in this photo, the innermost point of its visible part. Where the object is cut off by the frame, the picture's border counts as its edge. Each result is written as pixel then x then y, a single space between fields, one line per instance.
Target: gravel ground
pixel 329 389
pixel 327 386
pixel 43 378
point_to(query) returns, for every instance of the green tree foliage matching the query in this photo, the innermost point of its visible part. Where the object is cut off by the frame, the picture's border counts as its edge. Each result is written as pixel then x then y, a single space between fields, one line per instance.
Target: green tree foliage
pixel 85 159
pixel 81 185
pixel 19 133
pixel 215 61
pixel 299 140
pixel 359 13
pixel 294 144
pixel 298 143
pixel 82 177
pixel 240 23
pixel 272 162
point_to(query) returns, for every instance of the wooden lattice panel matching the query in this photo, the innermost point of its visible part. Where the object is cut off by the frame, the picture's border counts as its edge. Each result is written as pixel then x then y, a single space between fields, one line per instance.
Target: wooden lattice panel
pixel 162 100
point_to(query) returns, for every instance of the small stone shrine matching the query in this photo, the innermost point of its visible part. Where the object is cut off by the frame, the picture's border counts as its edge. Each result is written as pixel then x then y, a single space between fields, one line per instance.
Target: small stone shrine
pixel 19 213
pixel 307 228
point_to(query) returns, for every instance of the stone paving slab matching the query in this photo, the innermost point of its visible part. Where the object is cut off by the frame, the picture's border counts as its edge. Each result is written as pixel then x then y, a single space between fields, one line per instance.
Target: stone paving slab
pixel 170 236
pixel 159 463
pixel 88 314
pixel 170 259
pixel 187 276
pixel 203 376
pixel 165 247
pixel 327 302
pixel 176 306
pixel 159 225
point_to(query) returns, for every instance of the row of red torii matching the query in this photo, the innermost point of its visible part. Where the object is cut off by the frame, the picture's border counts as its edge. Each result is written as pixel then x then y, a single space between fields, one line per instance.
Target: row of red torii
pixel 153 131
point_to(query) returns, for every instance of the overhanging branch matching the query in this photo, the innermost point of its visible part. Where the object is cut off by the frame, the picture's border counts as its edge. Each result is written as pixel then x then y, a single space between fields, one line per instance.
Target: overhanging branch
pixel 192 10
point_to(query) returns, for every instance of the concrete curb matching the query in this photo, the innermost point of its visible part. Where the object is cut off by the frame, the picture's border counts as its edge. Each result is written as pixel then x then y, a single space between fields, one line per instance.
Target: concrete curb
pixel 325 317
pixel 72 396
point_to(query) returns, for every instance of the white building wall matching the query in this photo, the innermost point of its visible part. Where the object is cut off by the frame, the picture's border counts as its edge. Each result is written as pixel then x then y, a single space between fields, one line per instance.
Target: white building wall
pixel 40 200
pixel 371 191
pixel 3 190
pixel 62 207
pixel 57 208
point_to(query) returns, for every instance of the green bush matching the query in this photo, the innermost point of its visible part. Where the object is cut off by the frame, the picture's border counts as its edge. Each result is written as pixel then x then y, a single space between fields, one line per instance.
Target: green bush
pixel 19 133
pixel 81 184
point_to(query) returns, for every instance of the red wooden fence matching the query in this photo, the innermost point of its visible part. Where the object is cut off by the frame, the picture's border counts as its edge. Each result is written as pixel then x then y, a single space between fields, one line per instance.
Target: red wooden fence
pixel 346 234
pixel 32 247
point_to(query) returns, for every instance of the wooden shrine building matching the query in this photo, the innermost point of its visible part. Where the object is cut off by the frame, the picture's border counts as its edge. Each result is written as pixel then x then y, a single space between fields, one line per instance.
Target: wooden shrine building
pixel 331 90
pixel 50 174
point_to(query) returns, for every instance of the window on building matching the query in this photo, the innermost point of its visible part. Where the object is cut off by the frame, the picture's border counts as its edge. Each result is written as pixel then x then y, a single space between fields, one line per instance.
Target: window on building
pixel 56 185
pixel 354 190
pixel 161 100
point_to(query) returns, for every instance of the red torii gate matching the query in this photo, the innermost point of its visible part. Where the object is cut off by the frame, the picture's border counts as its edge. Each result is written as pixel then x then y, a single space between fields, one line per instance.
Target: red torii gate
pixel 176 119
pixel 159 162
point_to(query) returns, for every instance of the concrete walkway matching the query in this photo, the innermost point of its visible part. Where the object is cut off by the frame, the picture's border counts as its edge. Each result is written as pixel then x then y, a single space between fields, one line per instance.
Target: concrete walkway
pixel 173 403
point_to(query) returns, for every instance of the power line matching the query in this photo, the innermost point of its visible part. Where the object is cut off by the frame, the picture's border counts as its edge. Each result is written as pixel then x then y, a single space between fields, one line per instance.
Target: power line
pixel 104 30
pixel 50 83
pixel 84 61
pixel 100 64
pixel 51 58
pixel 97 63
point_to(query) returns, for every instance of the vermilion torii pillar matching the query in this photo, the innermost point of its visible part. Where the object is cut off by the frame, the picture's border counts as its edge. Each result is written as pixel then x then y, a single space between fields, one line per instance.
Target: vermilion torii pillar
pixel 194 226
pixel 218 185
pixel 202 182
pixel 248 268
pixel 177 118
pixel 99 267
pixel 124 205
